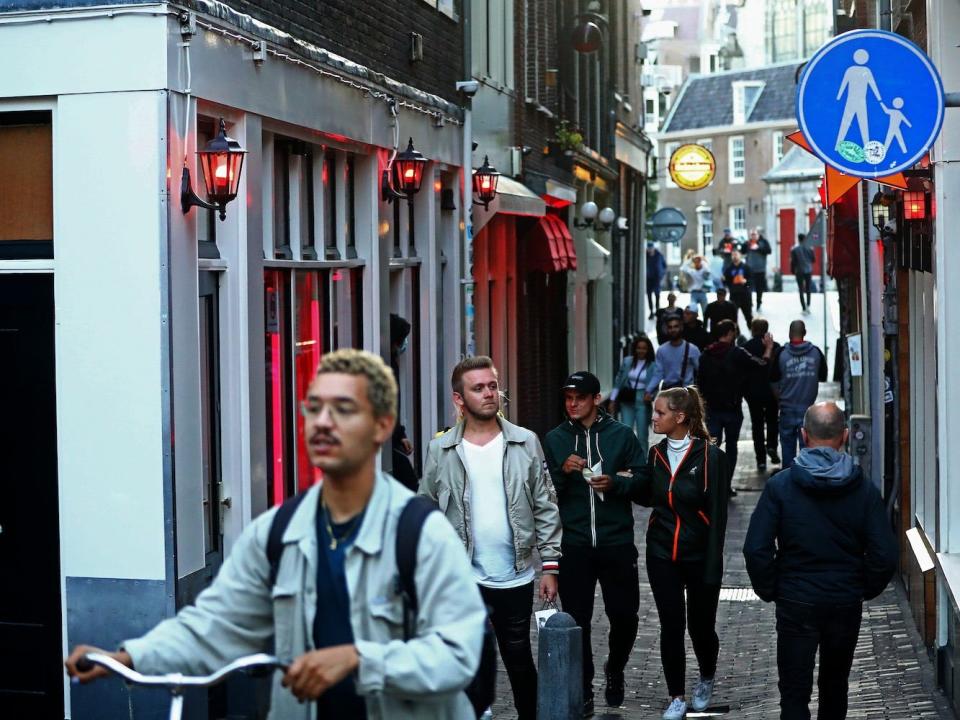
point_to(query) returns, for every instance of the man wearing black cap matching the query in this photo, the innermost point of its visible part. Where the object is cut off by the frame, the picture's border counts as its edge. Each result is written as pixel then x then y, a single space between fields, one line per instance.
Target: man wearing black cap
pixel 595 463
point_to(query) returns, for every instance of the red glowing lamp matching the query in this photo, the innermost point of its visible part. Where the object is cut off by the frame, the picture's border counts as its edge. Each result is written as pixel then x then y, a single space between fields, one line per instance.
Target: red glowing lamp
pixel 221 161
pixel 485 182
pixel 408 170
pixel 914 205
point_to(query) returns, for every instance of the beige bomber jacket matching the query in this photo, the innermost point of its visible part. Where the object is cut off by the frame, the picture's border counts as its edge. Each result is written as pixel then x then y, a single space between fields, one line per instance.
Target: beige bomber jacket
pixel 531 499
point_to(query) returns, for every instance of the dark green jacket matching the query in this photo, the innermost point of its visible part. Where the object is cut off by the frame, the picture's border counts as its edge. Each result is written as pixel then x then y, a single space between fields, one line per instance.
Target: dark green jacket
pixel 587 520
pixel 689 518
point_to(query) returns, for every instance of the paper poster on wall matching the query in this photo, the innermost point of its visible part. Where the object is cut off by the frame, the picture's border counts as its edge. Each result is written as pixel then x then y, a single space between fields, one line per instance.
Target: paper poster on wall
pixel 855 355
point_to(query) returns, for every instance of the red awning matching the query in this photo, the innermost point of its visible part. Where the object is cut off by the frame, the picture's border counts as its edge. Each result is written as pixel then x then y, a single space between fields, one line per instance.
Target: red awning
pixel 550 246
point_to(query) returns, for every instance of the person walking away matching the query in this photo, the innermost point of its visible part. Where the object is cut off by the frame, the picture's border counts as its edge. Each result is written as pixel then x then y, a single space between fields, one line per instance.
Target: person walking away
pixel 801 265
pixel 756 249
pixel 725 247
pixel 595 463
pixel 677 362
pixel 656 270
pixel 336 565
pixel 629 389
pixel 760 399
pixel 725 367
pixel 489 479
pixel 819 544
pixel 796 376
pixel 685 536
pixel 664 315
pixel 693 330
pixel 719 309
pixel 402 449
pixel 698 278
pixel 737 279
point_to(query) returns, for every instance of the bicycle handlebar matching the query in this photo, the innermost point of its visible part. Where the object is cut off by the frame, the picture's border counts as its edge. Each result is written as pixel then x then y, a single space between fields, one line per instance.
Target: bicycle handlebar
pixel 249 663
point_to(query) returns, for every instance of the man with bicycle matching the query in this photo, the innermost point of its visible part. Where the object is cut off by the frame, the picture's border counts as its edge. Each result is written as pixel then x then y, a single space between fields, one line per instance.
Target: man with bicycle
pixel 333 610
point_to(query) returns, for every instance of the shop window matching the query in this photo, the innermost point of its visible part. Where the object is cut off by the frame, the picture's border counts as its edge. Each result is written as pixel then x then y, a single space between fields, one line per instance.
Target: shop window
pixel 26 185
pixel 281 199
pixel 279 395
pixel 331 252
pixel 320 312
pixel 206 219
pixel 308 230
pixel 351 219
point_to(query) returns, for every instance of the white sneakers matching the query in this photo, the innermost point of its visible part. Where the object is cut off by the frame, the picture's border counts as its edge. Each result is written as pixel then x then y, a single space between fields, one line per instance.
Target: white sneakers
pixel 702 692
pixel 677 710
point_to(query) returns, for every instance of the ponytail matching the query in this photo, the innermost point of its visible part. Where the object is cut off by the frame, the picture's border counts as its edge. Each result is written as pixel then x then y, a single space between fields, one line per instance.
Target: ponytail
pixel 688 401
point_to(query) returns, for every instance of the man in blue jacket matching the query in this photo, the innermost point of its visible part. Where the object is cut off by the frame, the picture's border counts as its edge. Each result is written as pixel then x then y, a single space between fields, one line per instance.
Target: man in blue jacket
pixel 819 544
pixel 796 378
pixel 656 269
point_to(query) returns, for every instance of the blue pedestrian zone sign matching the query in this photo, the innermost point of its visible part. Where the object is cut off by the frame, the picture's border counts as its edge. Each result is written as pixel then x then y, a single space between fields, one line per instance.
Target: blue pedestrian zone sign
pixel 870 103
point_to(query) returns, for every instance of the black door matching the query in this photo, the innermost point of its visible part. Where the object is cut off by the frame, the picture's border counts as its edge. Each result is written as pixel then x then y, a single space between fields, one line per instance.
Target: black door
pixel 31 678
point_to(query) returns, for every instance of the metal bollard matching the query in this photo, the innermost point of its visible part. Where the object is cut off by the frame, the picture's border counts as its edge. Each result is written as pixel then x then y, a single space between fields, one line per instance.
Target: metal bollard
pixel 560 684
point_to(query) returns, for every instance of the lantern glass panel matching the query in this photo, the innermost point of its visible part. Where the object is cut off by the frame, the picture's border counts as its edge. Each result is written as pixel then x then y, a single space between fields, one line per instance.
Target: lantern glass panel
pixel 914 206
pixel 221 174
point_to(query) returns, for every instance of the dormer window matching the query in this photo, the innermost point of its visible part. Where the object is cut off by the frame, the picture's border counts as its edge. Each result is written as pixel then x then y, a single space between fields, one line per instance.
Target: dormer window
pixel 746 93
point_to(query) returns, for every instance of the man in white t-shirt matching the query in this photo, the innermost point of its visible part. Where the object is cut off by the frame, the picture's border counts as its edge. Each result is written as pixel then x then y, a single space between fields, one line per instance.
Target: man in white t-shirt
pixel 490 480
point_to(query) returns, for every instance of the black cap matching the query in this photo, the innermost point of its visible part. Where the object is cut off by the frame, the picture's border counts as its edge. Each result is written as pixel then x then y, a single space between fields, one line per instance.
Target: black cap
pixel 583 381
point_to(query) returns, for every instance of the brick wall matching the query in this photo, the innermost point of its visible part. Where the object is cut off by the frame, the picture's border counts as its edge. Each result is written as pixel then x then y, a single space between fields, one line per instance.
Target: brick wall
pixel 375 33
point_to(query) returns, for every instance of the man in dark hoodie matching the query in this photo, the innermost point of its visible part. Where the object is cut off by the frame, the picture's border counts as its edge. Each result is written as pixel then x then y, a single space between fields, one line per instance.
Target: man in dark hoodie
pixel 819 544
pixel 597 464
pixel 755 250
pixel 693 330
pixel 764 413
pixel 797 373
pixel 724 368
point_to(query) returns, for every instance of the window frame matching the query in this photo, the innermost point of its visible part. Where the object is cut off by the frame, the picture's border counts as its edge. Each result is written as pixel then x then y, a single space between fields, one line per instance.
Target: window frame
pixel 732 176
pixel 733 212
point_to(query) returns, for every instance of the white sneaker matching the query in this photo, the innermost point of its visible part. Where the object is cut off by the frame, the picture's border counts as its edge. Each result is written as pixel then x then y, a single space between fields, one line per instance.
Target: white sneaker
pixel 702 692
pixel 487 714
pixel 677 710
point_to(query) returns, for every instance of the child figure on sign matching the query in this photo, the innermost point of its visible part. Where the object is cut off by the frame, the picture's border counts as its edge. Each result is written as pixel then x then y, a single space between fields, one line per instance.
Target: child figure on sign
pixel 897 118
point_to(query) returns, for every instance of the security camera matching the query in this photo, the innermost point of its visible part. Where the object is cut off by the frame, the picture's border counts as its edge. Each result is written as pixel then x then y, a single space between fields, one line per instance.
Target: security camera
pixel 890 227
pixel 468 87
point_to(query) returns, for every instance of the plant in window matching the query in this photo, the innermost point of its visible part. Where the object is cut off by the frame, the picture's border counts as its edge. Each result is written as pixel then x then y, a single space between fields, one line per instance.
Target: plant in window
pixel 567 138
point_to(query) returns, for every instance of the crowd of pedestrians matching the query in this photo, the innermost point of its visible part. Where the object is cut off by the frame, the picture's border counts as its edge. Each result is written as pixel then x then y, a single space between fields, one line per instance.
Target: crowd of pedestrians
pixel 498 506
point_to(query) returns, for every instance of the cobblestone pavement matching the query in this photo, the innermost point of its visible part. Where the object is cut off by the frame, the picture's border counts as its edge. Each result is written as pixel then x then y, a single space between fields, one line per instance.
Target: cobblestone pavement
pixel 892 676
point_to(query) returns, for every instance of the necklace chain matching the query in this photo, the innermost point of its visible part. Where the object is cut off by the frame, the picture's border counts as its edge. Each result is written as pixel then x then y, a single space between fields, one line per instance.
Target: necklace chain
pixel 334 540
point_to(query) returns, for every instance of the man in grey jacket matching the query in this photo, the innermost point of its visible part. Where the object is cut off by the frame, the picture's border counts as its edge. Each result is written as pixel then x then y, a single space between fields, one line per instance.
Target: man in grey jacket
pixel 490 480
pixel 796 376
pixel 334 612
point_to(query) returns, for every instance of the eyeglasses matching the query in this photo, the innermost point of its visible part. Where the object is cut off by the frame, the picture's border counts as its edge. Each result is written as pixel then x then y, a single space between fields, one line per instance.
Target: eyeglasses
pixel 339 411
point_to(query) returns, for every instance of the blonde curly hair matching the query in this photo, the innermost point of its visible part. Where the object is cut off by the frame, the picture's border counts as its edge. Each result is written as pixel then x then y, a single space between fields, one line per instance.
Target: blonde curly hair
pixel 381 386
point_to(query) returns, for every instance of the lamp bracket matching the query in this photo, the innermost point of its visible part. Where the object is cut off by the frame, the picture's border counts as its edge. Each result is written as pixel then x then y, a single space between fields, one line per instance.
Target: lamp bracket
pixel 387 193
pixel 189 199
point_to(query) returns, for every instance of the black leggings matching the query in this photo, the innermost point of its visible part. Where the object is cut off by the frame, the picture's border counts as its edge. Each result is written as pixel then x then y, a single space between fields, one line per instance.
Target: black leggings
pixel 699 612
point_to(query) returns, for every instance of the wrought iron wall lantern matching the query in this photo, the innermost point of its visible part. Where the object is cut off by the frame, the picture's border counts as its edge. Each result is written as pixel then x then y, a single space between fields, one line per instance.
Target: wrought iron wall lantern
pixel 407 174
pixel 914 205
pixel 485 180
pixel 221 162
pixel 882 209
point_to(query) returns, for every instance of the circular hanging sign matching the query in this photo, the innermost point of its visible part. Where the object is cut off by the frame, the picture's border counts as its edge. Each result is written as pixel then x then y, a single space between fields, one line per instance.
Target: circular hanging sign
pixel 692 167
pixel 870 103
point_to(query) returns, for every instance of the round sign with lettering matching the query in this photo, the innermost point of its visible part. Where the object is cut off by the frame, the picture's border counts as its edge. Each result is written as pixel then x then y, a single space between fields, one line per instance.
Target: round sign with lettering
pixel 692 167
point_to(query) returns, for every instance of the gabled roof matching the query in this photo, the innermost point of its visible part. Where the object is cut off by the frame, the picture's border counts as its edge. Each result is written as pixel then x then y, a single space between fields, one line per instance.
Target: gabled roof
pixel 797 164
pixel 707 100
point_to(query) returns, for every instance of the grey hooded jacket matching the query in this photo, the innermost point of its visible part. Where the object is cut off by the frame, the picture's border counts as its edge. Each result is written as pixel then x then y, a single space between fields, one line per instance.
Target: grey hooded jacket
pixel 532 510
pixel 241 614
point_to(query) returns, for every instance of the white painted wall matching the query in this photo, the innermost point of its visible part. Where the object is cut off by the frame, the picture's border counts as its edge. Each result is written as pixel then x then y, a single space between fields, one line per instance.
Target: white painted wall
pixel 108 185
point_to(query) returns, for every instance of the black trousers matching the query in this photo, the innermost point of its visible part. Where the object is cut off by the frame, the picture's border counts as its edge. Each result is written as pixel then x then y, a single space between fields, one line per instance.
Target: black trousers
pixel 803 287
pixel 759 282
pixel 653 294
pixel 743 300
pixel 724 427
pixel 510 613
pixel 615 567
pixel 697 612
pixel 801 629
pixel 764 415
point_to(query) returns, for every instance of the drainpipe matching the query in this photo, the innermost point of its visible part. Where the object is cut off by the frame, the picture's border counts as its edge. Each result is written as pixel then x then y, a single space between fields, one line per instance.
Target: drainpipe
pixel 469 337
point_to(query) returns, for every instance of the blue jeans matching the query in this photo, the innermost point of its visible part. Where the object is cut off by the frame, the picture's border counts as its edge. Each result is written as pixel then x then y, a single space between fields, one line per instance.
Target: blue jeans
pixel 724 425
pixel 636 416
pixel 700 297
pixel 790 423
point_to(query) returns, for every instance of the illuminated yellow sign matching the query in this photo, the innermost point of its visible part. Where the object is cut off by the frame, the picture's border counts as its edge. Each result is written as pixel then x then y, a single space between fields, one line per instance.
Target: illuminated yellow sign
pixel 692 167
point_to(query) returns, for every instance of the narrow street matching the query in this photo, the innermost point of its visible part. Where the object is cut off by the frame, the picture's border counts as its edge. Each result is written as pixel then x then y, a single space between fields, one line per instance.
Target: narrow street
pixel 892 676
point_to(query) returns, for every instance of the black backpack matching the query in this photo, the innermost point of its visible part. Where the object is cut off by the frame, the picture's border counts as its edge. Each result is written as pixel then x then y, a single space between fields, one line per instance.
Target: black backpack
pixel 482 689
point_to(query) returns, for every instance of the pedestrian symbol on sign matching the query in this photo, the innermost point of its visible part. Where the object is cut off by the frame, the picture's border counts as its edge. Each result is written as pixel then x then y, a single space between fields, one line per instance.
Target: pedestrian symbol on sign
pixel 870 103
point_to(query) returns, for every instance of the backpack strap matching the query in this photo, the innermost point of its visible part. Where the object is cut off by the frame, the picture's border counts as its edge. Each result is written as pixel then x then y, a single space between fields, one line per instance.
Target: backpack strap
pixel 278 526
pixel 686 357
pixel 409 528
